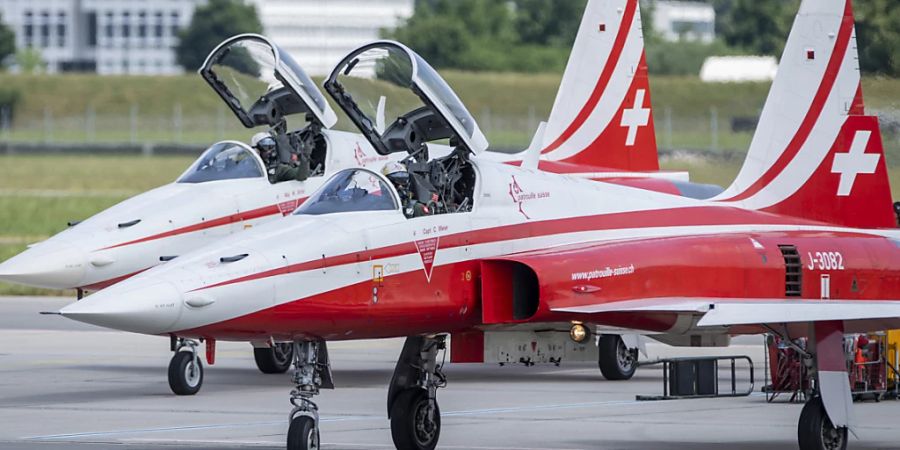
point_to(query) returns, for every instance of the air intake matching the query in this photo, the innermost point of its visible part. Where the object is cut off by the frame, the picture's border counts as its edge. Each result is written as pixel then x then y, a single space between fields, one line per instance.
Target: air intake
pixel 792 270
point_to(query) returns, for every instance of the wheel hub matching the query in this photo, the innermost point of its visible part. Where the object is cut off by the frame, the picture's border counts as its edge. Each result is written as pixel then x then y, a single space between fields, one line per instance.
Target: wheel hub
pixel 832 438
pixel 624 357
pixel 191 374
pixel 282 353
pixel 425 426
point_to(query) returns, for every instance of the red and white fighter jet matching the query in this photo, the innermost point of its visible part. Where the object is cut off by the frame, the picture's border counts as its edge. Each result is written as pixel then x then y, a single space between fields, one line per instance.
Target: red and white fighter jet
pixel 807 247
pixel 600 128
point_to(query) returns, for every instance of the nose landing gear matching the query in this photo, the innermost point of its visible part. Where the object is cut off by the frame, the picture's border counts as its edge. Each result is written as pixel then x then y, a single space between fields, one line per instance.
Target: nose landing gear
pixel 185 368
pixel 312 371
pixel 412 397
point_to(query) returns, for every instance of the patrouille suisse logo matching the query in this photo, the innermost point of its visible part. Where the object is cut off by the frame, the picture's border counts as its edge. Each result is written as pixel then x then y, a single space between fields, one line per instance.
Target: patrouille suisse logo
pixel 363 159
pixel 520 196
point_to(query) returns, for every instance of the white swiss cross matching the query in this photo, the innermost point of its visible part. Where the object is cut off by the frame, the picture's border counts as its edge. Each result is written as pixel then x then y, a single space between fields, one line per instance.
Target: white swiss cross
pixel 854 162
pixel 636 117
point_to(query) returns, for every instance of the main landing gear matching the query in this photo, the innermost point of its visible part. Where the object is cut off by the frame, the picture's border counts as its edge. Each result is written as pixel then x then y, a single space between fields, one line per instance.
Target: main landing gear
pixel 816 430
pixel 275 358
pixel 825 419
pixel 312 371
pixel 185 368
pixel 616 360
pixel 412 397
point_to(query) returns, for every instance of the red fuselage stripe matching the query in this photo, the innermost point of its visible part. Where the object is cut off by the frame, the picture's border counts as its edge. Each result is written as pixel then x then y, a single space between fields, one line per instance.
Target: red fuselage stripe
pixel 815 110
pixel 603 81
pixel 246 215
pixel 675 217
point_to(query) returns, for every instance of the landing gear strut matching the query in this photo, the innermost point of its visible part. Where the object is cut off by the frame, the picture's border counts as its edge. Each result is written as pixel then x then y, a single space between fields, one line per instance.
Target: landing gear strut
pixel 275 358
pixel 616 360
pixel 412 397
pixel 312 372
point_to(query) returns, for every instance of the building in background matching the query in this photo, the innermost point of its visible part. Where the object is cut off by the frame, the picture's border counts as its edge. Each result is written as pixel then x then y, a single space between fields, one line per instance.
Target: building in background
pixel 138 36
pixel 318 33
pixel 675 20
pixel 103 36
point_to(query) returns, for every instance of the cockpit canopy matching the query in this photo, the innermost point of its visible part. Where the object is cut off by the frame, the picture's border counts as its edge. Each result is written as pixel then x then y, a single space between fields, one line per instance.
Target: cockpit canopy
pixel 226 160
pixel 262 84
pixel 385 80
pixel 351 190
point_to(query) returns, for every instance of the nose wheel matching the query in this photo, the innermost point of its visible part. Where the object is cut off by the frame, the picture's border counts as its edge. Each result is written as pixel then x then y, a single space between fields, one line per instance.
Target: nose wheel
pixel 185 369
pixel 312 372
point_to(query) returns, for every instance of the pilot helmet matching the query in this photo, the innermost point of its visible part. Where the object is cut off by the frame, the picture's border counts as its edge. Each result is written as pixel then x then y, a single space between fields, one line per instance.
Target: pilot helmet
pixel 396 172
pixel 263 141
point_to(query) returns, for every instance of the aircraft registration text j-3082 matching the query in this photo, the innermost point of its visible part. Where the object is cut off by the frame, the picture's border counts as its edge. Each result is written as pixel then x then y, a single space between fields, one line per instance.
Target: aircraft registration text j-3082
pixel 825 260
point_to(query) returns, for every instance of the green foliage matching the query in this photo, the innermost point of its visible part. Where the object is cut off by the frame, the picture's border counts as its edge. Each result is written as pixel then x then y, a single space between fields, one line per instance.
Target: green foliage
pixel 212 24
pixel 756 26
pixel 682 57
pixel 30 60
pixel 878 36
pixel 548 22
pixel 7 41
pixel 519 36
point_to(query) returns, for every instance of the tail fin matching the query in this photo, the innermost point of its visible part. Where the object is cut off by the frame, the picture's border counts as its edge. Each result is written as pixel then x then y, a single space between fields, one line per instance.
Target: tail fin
pixel 815 154
pixel 602 115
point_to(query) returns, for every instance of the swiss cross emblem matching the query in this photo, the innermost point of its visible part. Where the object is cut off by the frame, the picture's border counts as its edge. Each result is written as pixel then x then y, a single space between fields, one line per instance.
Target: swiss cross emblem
pixel 856 161
pixel 635 117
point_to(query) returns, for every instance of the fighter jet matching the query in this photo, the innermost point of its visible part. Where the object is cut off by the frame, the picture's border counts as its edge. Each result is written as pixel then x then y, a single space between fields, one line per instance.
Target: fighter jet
pixel 600 127
pixel 807 248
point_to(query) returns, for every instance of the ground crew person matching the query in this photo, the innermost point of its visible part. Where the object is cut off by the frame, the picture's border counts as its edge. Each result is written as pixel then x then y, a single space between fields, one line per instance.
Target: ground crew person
pixel 399 176
pixel 278 171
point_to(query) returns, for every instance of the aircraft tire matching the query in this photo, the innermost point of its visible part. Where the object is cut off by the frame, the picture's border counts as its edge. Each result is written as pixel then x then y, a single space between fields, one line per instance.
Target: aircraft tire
pixel 303 434
pixel 275 359
pixel 410 427
pixel 616 361
pixel 184 377
pixel 815 431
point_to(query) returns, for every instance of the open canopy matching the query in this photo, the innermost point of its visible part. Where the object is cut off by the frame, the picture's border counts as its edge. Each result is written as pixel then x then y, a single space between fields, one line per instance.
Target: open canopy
pixel 262 84
pixel 399 101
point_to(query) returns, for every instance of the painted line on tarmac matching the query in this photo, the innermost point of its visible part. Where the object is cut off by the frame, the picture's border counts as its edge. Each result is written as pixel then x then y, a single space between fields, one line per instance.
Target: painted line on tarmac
pixel 462 413
pixel 474 412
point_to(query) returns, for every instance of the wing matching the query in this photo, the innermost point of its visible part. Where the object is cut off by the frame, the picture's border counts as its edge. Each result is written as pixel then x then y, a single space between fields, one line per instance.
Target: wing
pixel 755 311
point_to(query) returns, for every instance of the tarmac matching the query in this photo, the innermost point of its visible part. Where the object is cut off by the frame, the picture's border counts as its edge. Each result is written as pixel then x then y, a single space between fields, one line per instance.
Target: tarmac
pixel 65 385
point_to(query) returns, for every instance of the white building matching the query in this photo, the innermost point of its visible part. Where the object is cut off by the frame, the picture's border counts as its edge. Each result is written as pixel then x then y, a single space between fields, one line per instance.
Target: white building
pixel 693 21
pixel 318 33
pixel 106 36
pixel 138 36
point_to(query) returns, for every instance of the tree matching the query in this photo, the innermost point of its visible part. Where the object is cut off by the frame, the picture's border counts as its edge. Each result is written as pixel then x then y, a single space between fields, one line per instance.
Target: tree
pixel 756 26
pixel 30 60
pixel 7 41
pixel 878 36
pixel 548 22
pixel 212 24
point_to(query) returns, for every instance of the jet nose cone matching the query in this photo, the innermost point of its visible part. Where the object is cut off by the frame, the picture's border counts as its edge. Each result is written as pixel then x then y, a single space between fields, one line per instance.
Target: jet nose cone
pixel 49 265
pixel 150 309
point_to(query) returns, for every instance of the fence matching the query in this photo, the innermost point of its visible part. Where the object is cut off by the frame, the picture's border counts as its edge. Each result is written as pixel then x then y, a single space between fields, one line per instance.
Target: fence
pixel 709 133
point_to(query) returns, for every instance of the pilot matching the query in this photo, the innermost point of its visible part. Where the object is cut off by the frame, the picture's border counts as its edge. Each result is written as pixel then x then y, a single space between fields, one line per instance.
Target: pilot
pixel 399 176
pixel 278 171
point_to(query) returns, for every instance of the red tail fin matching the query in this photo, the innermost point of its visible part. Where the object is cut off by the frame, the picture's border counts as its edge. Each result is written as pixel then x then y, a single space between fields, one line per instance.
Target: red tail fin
pixel 815 154
pixel 602 115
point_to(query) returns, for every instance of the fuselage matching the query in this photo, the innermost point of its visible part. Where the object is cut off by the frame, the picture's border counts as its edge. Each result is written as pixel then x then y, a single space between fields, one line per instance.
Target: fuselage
pixel 172 220
pixel 368 274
